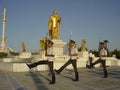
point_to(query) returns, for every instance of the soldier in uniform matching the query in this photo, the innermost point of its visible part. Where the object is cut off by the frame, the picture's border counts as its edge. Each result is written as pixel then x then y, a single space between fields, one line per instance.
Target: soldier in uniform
pixel 73 53
pixel 102 59
pixel 50 58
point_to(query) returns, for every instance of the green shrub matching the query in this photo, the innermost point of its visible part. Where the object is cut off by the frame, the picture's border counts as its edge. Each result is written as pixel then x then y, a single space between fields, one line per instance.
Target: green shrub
pixel 3 55
pixel 14 53
pixel 117 53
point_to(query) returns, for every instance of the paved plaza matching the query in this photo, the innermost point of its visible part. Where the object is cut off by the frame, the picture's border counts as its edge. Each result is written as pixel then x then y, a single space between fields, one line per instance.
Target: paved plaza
pixel 89 80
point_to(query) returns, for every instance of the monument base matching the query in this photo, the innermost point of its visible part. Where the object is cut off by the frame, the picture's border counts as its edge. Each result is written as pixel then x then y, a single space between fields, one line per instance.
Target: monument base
pixel 15 64
pixel 4 50
pixel 59 47
pixel 25 55
pixel 59 61
pixel 83 54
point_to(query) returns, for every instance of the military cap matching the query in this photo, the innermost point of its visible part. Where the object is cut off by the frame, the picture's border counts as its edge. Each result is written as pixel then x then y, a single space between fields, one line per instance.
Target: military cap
pixel 101 43
pixel 49 41
pixel 72 41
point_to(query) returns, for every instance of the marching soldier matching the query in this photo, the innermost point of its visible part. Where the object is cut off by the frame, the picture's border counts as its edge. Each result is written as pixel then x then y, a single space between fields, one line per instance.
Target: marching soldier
pixel 102 59
pixel 73 53
pixel 50 58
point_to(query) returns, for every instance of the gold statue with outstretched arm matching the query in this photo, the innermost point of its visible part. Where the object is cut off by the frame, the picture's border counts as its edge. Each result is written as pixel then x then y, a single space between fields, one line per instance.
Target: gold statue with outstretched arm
pixel 54 25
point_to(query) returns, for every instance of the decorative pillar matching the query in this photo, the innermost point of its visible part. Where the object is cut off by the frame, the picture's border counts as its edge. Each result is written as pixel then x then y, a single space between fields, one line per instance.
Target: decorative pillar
pixel 3 40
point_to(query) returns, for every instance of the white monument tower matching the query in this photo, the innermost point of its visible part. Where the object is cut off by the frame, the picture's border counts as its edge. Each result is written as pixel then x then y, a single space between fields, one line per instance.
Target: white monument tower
pixel 3 40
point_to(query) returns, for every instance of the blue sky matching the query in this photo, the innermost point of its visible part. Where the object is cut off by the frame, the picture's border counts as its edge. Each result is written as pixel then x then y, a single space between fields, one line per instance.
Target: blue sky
pixel 94 20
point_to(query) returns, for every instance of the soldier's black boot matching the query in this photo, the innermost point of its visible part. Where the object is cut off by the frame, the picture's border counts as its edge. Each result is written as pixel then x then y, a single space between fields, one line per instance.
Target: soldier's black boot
pixel 28 65
pixel 105 74
pixel 76 77
pixel 57 71
pixel 53 79
pixel 31 65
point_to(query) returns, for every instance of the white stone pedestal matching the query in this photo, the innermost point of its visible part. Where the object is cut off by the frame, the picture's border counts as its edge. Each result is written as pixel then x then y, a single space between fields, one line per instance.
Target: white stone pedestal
pixel 83 54
pixel 25 55
pixel 59 47
pixel 7 60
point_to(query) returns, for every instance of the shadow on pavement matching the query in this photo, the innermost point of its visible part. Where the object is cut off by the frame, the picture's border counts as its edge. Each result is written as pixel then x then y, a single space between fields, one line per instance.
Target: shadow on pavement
pixel 36 78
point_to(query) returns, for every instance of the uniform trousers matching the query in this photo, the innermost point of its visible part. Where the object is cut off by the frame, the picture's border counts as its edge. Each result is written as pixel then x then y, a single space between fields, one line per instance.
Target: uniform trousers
pixel 103 62
pixel 49 63
pixel 74 64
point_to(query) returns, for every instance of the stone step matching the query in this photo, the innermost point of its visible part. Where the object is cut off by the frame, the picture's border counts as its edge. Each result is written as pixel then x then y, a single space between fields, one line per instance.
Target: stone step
pixel 22 67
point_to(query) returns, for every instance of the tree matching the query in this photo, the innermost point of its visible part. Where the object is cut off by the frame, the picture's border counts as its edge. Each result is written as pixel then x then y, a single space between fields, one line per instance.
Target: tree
pixel 117 53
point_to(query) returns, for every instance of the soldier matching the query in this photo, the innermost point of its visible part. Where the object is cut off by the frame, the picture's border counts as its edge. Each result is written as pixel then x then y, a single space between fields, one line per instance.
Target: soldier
pixel 73 53
pixel 50 58
pixel 102 59
pixel 90 59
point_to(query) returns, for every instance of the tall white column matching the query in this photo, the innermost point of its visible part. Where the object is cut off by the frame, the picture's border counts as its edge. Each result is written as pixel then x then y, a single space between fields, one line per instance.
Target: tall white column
pixel 3 41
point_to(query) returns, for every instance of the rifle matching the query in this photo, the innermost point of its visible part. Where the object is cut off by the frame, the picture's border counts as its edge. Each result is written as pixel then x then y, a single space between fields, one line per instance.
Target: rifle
pixel 46 44
pixel 69 43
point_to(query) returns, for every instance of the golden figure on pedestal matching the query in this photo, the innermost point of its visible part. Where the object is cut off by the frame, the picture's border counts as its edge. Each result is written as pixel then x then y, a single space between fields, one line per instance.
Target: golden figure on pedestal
pixel 23 47
pixel 54 25
pixel 83 44
pixel 43 43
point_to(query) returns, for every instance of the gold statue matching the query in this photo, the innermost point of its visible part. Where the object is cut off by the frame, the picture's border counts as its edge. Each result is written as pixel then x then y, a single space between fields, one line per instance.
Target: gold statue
pixel 83 48
pixel 23 47
pixel 54 25
pixel 42 44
